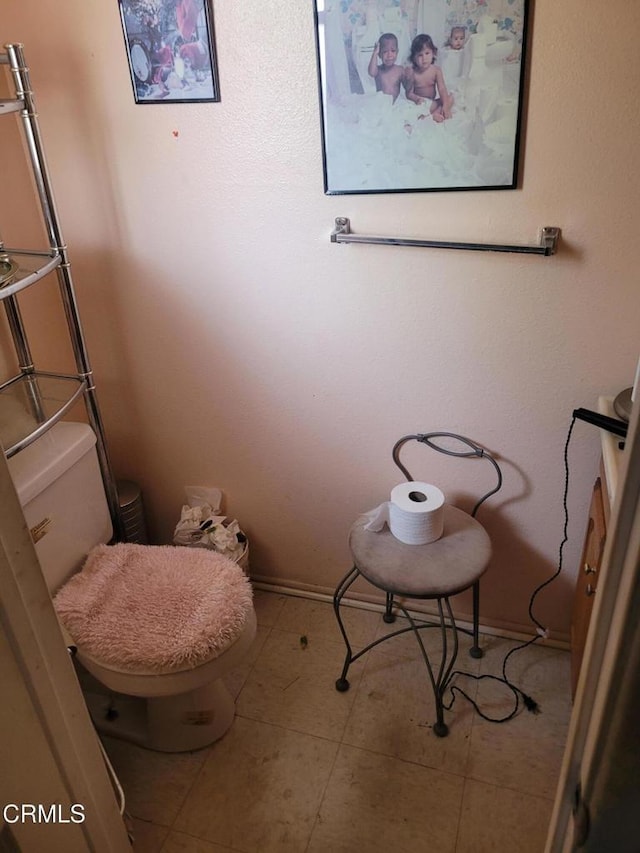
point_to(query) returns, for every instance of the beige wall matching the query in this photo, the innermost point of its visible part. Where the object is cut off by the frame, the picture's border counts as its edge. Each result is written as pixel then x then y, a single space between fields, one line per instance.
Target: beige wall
pixel 234 345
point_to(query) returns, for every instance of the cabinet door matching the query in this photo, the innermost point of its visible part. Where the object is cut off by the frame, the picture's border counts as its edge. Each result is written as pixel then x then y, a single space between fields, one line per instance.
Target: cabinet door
pixel 587 581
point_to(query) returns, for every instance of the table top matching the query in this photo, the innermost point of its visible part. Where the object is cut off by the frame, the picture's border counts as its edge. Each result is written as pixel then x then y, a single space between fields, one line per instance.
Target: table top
pixel 441 568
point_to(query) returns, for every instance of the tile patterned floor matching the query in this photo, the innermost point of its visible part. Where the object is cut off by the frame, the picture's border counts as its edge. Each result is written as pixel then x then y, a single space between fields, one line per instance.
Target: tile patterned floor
pixel 305 768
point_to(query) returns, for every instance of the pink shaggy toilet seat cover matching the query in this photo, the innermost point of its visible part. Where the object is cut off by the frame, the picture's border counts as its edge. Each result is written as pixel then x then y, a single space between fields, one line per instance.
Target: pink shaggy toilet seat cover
pixel 155 607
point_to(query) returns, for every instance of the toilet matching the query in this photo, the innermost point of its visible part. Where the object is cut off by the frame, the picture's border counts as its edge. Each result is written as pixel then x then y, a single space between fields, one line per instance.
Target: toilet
pixel 156 628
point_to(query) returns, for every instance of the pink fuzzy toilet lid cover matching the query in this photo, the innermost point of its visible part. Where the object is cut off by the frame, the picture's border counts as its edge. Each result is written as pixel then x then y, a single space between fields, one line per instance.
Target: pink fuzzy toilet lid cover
pixel 156 608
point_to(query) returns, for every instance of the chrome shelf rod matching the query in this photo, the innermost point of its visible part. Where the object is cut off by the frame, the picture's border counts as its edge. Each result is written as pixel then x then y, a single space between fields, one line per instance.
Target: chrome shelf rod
pixel 547 246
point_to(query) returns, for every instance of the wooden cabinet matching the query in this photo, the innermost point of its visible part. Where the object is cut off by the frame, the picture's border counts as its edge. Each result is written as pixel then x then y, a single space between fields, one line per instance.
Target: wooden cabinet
pixel 588 575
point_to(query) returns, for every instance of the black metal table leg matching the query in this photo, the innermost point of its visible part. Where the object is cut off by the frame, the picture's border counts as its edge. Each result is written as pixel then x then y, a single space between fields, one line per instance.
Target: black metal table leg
pixel 342 683
pixel 389 616
pixel 440 680
pixel 475 651
pixel 448 658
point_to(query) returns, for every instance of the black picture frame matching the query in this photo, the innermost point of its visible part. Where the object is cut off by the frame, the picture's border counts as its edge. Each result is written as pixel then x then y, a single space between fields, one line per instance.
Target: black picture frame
pixel 171 51
pixel 376 140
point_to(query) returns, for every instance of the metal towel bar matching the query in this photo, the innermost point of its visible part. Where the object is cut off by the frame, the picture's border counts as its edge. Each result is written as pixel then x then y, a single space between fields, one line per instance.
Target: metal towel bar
pixel 547 245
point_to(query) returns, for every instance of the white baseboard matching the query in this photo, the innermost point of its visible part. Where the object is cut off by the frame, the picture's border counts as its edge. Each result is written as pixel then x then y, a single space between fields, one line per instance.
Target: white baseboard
pixel 521 633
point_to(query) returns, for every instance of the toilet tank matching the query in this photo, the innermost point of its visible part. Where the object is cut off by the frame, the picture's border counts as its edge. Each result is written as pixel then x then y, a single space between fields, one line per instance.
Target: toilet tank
pixel 60 488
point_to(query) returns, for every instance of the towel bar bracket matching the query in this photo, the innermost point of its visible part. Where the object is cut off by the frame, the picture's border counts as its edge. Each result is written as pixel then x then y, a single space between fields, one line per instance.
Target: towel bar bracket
pixel 547 245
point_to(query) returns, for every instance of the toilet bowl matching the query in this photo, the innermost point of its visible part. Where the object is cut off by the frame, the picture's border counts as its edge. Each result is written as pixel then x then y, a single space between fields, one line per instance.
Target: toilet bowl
pixel 173 712
pixel 155 679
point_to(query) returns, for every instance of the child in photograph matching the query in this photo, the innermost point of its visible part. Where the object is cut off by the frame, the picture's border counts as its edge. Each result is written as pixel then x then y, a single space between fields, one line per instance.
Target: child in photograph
pixel 195 56
pixel 456 38
pixel 423 79
pixel 388 75
pixel 187 13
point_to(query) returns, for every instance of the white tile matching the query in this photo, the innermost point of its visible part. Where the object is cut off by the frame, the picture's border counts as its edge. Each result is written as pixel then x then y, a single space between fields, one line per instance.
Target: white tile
pixel 259 790
pixel 496 819
pixel 178 842
pixel 317 619
pixel 379 804
pixel 235 679
pixel 306 768
pixel 406 644
pixel 394 712
pixel 147 837
pixel 543 673
pixel 267 606
pixel 525 752
pixel 292 684
pixel 155 783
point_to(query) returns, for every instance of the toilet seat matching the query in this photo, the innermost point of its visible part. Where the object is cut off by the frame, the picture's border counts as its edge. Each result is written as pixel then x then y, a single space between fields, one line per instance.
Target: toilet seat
pixel 154 684
pixel 155 611
pixel 159 626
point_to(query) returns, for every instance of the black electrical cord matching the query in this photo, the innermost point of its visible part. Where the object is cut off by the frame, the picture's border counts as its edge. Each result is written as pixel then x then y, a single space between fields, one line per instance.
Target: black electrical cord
pixel 541 632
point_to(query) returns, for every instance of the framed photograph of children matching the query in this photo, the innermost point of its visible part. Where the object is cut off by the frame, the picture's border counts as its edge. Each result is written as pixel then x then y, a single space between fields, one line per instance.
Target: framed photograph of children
pixel 171 50
pixel 420 95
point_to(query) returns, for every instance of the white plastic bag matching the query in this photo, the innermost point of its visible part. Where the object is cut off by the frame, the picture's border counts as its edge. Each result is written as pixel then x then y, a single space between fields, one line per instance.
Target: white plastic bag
pixel 201 525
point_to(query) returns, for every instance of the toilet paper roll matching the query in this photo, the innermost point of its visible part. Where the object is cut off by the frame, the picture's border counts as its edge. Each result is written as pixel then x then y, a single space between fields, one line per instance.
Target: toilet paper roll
pixel 415 513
